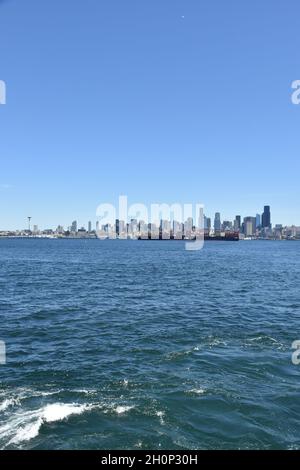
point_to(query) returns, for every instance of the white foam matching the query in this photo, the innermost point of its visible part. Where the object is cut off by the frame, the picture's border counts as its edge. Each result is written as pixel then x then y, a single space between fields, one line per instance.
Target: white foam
pixel 61 411
pixel 85 391
pixel 24 393
pixel 161 415
pixel 45 394
pixel 24 426
pixel 217 342
pixel 258 338
pixel 122 409
pixel 197 391
pixel 28 432
pixel 18 425
pixel 8 402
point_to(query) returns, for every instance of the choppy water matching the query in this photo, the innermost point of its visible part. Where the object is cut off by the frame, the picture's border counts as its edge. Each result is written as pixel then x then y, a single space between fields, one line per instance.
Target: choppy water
pixel 123 345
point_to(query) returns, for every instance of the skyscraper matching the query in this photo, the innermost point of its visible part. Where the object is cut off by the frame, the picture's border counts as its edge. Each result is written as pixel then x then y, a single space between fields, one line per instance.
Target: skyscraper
pixel 117 227
pixel 249 226
pixel 237 223
pixel 207 223
pixel 188 227
pixel 226 226
pixel 258 220
pixel 217 222
pixel 266 217
pixel 90 227
pixel 74 226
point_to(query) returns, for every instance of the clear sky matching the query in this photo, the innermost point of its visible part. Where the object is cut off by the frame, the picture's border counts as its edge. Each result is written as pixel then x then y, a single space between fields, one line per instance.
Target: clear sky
pixel 161 100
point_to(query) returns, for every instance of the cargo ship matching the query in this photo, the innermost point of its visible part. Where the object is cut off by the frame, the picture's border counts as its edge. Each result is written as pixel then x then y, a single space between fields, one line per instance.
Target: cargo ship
pixel 227 237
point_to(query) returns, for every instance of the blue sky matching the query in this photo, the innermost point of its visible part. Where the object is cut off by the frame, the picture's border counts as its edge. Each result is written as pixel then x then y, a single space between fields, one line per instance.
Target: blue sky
pixel 161 100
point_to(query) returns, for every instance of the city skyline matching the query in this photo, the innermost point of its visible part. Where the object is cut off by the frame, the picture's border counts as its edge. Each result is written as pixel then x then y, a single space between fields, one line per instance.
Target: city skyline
pixel 84 220
pixel 258 226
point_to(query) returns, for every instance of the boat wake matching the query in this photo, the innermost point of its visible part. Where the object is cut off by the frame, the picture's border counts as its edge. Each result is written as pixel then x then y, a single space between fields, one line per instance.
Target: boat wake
pixel 25 425
pixel 21 419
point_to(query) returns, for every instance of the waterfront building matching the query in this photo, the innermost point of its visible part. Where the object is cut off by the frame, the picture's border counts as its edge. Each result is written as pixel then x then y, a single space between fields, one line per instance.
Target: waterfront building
pixel 154 230
pixel 177 230
pixel 226 226
pixel 122 230
pixel 207 224
pixel 117 225
pixel 74 226
pixel 165 229
pixel 258 221
pixel 188 227
pixel 217 222
pixel 237 223
pixel 266 217
pixel 143 230
pixel 250 226
pixel 278 231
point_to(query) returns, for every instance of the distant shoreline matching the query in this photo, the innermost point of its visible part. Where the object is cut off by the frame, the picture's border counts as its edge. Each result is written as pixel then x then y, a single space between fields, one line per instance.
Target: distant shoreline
pixel 211 239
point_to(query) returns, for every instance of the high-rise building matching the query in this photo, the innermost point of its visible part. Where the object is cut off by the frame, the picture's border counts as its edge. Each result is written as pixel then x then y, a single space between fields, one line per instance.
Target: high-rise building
pixel 258 220
pixel 188 227
pixel 122 232
pixel 117 227
pixel 217 222
pixel 133 228
pixel 266 217
pixel 226 226
pixel 165 229
pixel 278 231
pixel 178 230
pixel 249 226
pixel 237 223
pixel 207 223
pixel 89 226
pixel 74 226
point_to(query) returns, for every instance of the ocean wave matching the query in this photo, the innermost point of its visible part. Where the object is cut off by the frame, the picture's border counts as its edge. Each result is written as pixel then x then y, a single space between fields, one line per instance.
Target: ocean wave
pixel 265 341
pixel 83 391
pixel 161 415
pixel 36 394
pixel 263 338
pixel 61 411
pixel 24 393
pixel 28 432
pixel 8 402
pixel 209 342
pixel 195 391
pixel 174 355
pixel 15 397
pixel 122 409
pixel 26 425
